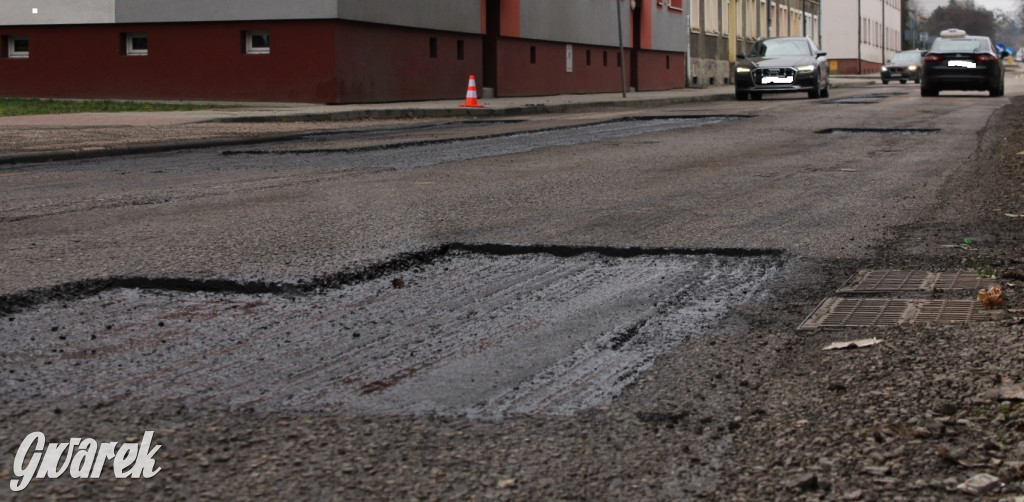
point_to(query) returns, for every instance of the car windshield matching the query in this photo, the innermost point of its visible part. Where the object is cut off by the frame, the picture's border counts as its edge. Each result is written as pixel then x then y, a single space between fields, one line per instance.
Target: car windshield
pixel 959 45
pixel 906 57
pixel 776 48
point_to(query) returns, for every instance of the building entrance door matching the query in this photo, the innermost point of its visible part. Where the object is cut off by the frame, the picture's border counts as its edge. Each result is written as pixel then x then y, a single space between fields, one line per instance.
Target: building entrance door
pixel 634 53
pixel 493 27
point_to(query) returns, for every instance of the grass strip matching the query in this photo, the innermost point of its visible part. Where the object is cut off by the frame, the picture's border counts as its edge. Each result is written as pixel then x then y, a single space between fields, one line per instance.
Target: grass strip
pixel 22 106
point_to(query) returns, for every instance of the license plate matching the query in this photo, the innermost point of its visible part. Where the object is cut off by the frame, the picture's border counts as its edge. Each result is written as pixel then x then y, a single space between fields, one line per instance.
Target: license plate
pixel 963 64
pixel 777 80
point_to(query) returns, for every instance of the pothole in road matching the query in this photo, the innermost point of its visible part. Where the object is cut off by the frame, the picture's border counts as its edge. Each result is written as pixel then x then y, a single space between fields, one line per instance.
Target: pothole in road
pixel 476 331
pixel 872 130
pixel 864 99
pixel 430 152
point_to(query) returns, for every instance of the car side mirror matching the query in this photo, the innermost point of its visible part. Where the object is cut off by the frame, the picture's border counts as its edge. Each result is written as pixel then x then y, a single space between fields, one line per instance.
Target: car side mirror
pixel 1005 54
pixel 822 53
pixel 740 56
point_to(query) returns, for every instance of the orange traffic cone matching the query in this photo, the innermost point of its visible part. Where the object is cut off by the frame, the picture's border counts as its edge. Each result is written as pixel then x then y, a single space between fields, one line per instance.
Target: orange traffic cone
pixel 471 101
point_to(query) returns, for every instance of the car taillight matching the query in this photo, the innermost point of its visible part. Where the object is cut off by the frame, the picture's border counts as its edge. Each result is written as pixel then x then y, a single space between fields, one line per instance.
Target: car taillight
pixel 933 58
pixel 985 58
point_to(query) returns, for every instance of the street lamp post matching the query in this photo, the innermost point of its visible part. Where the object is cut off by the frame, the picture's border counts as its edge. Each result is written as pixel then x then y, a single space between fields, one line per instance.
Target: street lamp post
pixel 622 50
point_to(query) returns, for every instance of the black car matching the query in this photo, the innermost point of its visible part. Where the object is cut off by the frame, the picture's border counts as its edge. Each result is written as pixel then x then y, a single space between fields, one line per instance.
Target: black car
pixel 903 66
pixel 960 62
pixel 782 65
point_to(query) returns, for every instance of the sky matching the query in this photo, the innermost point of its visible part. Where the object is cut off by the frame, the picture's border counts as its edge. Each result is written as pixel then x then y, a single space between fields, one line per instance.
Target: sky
pixel 993 5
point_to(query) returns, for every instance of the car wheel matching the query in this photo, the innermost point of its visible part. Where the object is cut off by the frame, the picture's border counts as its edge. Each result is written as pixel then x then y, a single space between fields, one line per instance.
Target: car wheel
pixel 995 93
pixel 815 93
pixel 742 95
pixel 824 92
pixel 928 92
pixel 917 81
pixel 903 81
pixel 756 96
pixel 885 82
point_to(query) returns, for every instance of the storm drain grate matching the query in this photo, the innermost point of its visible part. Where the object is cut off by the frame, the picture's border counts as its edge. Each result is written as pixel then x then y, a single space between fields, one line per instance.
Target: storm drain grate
pixel 878 281
pixel 837 312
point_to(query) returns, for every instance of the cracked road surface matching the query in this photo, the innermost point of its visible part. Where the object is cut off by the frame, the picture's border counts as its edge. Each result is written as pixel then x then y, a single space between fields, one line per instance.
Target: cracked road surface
pixel 800 212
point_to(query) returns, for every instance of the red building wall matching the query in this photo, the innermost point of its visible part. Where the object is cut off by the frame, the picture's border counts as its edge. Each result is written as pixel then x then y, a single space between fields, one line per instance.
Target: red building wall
pixel 202 61
pixel 854 67
pixel 518 76
pixel 319 61
pixel 378 63
pixel 661 70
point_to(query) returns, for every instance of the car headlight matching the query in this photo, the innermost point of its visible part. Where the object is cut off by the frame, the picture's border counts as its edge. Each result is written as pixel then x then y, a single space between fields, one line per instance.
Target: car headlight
pixel 742 69
pixel 885 68
pixel 805 69
pixel 912 67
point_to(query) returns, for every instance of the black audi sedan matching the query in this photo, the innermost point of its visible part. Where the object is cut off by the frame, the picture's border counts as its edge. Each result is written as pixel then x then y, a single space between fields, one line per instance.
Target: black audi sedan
pixel 782 65
pixel 961 62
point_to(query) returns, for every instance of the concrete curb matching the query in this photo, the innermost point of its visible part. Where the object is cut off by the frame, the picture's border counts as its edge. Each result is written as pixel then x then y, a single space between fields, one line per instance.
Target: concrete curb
pixel 415 113
pixel 60 155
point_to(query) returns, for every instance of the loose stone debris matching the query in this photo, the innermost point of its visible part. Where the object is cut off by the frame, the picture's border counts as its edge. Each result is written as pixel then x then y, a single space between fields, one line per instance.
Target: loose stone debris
pixel 855 344
pixel 980 484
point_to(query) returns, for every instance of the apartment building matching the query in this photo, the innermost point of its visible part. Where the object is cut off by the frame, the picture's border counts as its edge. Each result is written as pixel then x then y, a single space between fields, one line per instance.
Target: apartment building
pixel 861 35
pixel 337 51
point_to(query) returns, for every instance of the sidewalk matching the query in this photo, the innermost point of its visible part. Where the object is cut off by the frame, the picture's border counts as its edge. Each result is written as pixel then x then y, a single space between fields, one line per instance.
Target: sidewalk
pixel 40 138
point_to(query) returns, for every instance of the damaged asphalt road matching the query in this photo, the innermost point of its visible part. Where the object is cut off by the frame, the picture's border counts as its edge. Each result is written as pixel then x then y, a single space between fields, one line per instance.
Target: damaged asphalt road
pixel 766 219
pixel 480 335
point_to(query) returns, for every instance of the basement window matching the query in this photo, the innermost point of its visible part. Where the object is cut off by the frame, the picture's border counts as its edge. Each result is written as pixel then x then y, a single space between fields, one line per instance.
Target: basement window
pixel 533 54
pixel 460 50
pixel 257 42
pixel 433 47
pixel 136 44
pixel 17 47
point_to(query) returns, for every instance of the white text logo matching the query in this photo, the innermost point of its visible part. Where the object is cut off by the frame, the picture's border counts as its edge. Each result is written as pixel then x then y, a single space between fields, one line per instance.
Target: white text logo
pixel 82 458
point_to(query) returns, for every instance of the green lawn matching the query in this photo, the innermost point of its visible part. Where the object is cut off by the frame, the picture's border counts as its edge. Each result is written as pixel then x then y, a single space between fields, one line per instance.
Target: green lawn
pixel 18 106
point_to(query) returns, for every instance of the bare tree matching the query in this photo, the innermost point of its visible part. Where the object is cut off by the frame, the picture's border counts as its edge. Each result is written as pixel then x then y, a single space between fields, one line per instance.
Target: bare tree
pixel 962 14
pixel 911 17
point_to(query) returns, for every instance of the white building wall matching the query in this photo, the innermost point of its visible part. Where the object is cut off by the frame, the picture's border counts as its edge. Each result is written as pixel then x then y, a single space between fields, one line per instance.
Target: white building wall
pixel 446 15
pixel 573 21
pixel 43 12
pixel 847 34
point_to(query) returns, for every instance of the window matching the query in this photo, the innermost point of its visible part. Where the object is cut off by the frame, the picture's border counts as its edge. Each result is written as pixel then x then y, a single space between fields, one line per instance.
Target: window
pixel 17 47
pixel 533 54
pixel 136 44
pixel 257 42
pixel 750 19
pixel 711 18
pixel 460 50
pixel 762 20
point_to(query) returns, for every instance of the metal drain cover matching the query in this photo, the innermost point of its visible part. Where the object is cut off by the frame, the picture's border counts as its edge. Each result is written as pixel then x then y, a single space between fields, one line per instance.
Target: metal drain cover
pixel 836 312
pixel 879 281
